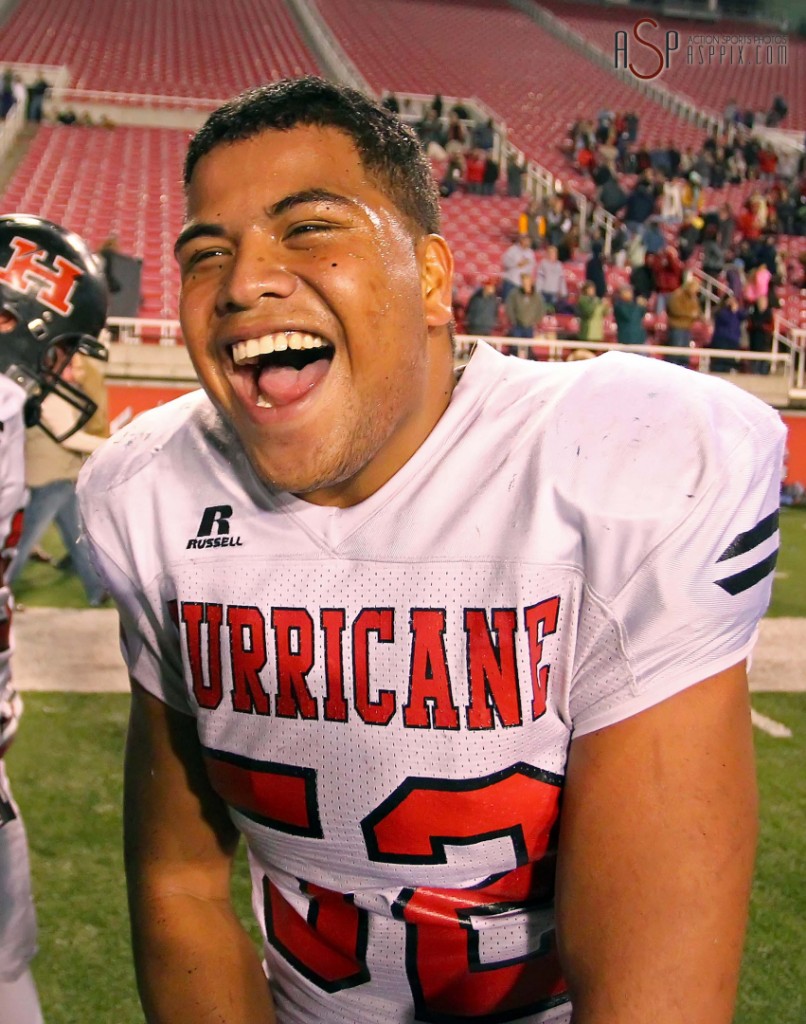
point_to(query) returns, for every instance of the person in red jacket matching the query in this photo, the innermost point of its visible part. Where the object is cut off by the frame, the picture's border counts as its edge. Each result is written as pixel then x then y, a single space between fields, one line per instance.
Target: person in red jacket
pixel 667 274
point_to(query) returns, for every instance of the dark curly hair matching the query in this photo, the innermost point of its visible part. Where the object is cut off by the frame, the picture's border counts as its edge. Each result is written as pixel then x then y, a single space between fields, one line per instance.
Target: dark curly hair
pixel 389 150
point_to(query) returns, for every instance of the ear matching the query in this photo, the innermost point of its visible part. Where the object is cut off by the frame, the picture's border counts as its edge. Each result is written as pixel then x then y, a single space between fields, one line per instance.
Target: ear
pixel 436 280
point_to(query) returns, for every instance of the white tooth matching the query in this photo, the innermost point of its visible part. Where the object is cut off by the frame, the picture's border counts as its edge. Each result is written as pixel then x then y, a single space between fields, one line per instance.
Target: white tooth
pixel 317 342
pixel 308 341
pixel 263 403
pixel 295 340
pixel 253 348
pixel 280 342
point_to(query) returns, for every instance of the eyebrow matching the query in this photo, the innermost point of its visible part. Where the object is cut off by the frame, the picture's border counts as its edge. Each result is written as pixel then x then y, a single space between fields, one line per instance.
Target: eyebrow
pixel 309 195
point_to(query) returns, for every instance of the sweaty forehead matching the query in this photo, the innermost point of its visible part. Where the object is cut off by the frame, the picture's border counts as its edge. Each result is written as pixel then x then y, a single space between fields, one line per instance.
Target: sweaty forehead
pixel 272 164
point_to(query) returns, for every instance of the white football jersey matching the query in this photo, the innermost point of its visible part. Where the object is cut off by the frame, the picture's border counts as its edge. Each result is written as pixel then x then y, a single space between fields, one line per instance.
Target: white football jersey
pixel 12 501
pixel 385 694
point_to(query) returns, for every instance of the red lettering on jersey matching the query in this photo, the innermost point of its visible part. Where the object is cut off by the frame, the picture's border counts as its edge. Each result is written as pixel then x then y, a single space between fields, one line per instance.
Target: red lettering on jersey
pixel 451 973
pixel 294 699
pixel 29 265
pixel 430 703
pixel 382 622
pixel 279 796
pixel 540 621
pixel 492 668
pixel 9 545
pixel 208 692
pixel 328 946
pixel 333 621
pixel 247 631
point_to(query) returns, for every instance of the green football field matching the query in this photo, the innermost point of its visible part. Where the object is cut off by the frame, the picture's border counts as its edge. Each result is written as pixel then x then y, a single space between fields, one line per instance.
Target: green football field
pixel 66 772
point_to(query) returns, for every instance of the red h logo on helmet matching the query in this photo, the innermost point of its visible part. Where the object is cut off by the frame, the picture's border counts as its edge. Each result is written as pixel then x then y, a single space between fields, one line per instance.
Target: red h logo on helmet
pixel 27 267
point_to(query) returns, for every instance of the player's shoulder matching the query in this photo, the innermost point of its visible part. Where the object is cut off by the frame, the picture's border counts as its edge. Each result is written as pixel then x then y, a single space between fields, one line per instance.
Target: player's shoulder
pixel 174 435
pixel 633 436
pixel 617 394
pixel 12 399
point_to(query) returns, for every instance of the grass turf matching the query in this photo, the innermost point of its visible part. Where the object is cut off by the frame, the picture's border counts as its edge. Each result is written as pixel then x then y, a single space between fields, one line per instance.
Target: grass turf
pixel 65 769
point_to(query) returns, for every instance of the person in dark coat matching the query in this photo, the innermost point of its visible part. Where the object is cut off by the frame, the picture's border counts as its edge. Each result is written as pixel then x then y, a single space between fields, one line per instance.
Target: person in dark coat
pixel 760 328
pixel 628 312
pixel 595 271
pixel 481 315
pixel 727 333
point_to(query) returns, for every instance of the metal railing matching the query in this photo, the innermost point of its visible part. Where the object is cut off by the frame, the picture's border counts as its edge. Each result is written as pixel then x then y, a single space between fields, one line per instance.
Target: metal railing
pixel 789 336
pixel 557 350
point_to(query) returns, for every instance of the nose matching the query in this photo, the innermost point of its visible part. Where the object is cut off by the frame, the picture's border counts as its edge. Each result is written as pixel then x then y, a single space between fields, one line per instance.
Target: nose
pixel 255 273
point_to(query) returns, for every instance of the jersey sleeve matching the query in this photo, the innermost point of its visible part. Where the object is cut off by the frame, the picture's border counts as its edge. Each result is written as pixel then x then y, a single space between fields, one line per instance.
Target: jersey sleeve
pixel 123 542
pixel 149 635
pixel 691 606
pixel 12 500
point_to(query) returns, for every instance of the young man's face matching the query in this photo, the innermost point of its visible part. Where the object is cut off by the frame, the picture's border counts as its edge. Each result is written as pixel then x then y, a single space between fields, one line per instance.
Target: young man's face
pixel 315 320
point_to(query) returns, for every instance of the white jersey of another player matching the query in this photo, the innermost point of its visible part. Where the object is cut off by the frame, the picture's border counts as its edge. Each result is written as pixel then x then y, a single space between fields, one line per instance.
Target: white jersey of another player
pixel 385 694
pixel 17 919
pixel 12 501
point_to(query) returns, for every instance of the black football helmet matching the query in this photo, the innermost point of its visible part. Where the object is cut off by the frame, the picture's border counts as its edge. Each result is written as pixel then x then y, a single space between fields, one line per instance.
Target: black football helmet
pixel 53 301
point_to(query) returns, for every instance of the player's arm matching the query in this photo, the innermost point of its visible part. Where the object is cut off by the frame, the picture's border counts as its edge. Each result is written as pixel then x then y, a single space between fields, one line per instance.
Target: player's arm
pixel 193 959
pixel 656 858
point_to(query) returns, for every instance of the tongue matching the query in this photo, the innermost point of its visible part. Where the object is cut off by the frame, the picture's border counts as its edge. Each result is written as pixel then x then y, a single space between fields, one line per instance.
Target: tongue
pixel 282 385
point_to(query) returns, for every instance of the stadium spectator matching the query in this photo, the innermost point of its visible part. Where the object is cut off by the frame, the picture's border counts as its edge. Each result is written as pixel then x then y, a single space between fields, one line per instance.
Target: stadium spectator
pixel 612 196
pixel 667 275
pixel 629 312
pixel 595 270
pixel 727 333
pixel 515 173
pixel 551 280
pixel 653 238
pixel 532 222
pixel 760 330
pixel 7 98
pixel 51 471
pixel 432 135
pixel 713 255
pixel 518 259
pixel 757 284
pixel 484 135
pixel 489 178
pixel 642 281
pixel 591 311
pixel 525 309
pixel 474 171
pixel 682 312
pixel 390 102
pixel 481 314
pixel 726 226
pixel 671 202
pixel 453 176
pixel 37 92
pixel 456 134
pixel 640 205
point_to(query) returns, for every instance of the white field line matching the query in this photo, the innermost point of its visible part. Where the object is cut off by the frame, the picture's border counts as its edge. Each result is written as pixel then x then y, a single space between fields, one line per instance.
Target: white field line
pixel 769 725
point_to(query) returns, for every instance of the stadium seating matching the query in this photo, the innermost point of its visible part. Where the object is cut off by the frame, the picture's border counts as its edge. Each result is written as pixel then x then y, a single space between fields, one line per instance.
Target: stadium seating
pixel 536 84
pixel 100 182
pixel 193 48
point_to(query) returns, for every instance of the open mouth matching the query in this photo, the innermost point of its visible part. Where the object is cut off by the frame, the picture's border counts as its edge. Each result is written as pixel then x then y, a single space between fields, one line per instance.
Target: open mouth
pixel 286 365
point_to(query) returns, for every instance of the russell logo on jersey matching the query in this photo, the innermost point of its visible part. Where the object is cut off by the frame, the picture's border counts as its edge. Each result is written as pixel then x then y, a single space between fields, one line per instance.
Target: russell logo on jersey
pixel 217 518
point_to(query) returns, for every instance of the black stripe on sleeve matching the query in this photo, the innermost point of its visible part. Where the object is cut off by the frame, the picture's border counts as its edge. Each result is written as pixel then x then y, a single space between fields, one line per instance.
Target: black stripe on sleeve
pixel 752 538
pixel 748 577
